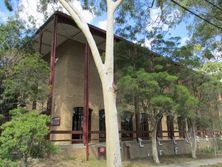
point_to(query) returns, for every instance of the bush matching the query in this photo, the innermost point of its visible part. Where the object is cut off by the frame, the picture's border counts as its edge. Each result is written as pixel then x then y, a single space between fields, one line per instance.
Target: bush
pixel 7 163
pixel 25 136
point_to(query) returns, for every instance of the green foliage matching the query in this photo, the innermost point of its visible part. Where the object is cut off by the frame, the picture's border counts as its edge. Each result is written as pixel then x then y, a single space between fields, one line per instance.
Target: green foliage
pixel 24 136
pixel 8 163
pixel 23 73
pixel 186 104
pixel 207 150
pixel 8 4
pixel 27 80
pixel 153 91
pixel 213 69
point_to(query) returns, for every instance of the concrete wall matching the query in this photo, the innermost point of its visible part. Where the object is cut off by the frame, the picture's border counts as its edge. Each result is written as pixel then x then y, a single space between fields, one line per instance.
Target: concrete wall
pixel 132 150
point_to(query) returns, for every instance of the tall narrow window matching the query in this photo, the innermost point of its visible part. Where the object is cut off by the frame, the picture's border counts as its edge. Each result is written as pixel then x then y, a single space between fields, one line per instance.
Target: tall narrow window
pixel 102 126
pixel 170 128
pixel 77 122
pixel 127 125
pixel 144 126
pixel 181 126
pixel 159 129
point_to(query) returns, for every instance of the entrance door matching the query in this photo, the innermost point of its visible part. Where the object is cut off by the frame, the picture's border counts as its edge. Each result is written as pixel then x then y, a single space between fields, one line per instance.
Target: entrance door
pixel 77 122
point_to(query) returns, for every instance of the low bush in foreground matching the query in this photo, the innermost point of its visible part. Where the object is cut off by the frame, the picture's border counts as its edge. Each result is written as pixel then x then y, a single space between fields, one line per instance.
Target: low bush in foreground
pixel 24 137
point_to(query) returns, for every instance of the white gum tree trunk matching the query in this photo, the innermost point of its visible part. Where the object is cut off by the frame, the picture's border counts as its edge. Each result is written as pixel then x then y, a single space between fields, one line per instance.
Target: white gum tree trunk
pixel 106 73
pixel 191 137
pixel 193 141
pixel 154 145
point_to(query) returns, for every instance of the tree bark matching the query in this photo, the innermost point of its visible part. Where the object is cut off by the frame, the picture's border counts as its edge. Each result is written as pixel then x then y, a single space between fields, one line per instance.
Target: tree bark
pixel 193 141
pixel 154 146
pixel 112 133
pixel 137 116
pixel 24 162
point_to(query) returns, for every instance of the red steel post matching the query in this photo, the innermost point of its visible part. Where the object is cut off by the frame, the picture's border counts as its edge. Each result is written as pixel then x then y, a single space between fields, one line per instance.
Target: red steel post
pixel 52 66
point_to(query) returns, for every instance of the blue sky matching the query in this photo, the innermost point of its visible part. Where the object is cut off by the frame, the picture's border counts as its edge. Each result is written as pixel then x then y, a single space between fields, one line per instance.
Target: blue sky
pixel 4 13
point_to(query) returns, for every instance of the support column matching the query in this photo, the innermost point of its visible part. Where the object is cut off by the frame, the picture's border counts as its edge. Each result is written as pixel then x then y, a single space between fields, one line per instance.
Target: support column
pixel 86 100
pixel 52 67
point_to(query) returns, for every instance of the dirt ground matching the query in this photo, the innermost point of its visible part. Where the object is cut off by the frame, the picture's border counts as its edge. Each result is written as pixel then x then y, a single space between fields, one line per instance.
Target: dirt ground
pixel 179 161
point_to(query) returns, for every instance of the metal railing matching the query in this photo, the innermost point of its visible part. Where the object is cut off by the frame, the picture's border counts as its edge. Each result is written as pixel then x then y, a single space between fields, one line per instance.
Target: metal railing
pixel 101 135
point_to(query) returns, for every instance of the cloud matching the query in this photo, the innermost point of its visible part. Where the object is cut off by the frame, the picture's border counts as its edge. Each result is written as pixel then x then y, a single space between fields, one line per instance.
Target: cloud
pixel 156 22
pixel 148 43
pixel 86 13
pixel 30 10
pixel 154 19
pixel 3 17
pixel 102 24
pixel 184 40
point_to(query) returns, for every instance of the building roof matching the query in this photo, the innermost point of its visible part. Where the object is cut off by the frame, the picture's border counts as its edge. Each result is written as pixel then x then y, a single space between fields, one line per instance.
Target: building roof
pixel 66 29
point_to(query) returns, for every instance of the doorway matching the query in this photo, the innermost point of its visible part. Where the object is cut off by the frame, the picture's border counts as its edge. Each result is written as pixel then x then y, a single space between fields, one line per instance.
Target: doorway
pixel 77 122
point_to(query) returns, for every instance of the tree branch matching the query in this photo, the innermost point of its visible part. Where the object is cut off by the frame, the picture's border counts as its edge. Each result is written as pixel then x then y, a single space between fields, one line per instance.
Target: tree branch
pixel 117 3
pixel 81 23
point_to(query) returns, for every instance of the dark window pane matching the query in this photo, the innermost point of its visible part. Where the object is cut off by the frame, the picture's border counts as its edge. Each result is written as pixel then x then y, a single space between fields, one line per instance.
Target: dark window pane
pixel 144 126
pixel 170 127
pixel 159 129
pixel 102 125
pixel 77 123
pixel 181 126
pixel 127 126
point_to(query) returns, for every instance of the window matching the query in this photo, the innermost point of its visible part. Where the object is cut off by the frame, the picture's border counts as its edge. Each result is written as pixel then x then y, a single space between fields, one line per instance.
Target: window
pixel 159 129
pixel 77 124
pixel 170 128
pixel 181 126
pixel 127 125
pixel 144 126
pixel 102 126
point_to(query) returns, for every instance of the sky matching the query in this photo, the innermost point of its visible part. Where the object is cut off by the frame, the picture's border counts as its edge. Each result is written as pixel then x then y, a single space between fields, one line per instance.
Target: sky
pixel 30 7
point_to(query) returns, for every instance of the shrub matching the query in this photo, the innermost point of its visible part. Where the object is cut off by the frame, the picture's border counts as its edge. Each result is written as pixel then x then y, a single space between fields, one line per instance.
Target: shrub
pixel 25 136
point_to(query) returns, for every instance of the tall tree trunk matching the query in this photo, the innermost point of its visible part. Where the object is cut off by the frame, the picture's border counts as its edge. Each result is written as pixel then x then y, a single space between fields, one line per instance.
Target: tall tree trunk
pixel 137 116
pixel 154 146
pixel 24 161
pixel 112 132
pixel 193 141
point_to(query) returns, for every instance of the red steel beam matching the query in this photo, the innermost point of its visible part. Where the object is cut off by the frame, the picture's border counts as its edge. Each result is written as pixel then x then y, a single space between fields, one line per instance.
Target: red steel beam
pixel 52 66
pixel 86 99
